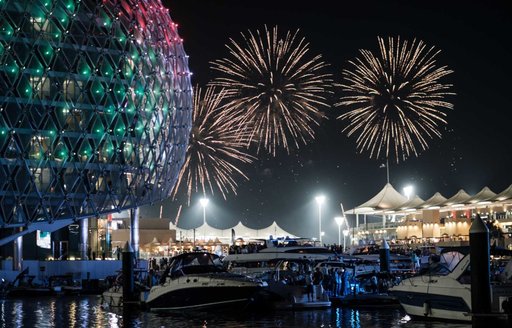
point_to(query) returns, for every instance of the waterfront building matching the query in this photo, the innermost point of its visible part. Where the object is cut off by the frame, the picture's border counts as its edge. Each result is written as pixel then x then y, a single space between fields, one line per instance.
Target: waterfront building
pixel 438 220
pixel 95 114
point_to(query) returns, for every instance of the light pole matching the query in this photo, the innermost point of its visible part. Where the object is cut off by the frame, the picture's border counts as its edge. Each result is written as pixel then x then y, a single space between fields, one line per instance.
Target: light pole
pixel 345 234
pixel 339 221
pixel 320 200
pixel 204 201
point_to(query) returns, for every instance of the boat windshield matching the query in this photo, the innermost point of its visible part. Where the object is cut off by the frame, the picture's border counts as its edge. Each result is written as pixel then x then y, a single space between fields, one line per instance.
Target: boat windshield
pixel 195 263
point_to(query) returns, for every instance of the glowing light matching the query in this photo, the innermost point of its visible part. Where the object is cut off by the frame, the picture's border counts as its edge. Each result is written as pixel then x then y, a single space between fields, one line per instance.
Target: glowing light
pixel 216 146
pixel 408 191
pixel 395 100
pixel 276 86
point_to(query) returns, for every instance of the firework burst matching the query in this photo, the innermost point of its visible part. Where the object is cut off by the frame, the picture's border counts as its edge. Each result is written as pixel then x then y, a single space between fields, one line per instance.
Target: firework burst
pixel 215 148
pixel 275 86
pixel 395 100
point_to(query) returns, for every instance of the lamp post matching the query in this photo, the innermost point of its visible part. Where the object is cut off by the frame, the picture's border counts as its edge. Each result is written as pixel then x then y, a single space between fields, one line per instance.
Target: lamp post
pixel 204 201
pixel 345 234
pixel 320 200
pixel 339 221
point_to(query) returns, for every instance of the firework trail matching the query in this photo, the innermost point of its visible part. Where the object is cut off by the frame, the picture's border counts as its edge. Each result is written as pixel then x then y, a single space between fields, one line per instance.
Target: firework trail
pixel 275 86
pixel 395 100
pixel 217 145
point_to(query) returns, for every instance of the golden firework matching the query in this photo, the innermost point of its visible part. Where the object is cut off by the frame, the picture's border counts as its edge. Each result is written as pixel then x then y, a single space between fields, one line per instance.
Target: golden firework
pixel 275 86
pixel 395 100
pixel 216 147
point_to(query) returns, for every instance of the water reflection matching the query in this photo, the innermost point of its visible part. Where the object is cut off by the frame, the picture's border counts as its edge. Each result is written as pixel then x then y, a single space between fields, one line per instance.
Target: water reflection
pixel 86 311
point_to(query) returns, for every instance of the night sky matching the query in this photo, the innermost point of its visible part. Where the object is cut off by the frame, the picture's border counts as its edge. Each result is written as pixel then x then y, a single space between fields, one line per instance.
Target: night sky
pixel 476 145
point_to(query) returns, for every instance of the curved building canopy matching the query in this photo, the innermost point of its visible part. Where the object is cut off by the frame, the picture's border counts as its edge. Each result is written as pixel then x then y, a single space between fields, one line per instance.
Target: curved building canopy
pixel 386 199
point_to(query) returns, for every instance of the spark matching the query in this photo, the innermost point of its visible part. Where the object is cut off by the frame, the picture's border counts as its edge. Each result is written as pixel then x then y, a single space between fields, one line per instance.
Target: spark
pixel 395 100
pixel 276 86
pixel 216 147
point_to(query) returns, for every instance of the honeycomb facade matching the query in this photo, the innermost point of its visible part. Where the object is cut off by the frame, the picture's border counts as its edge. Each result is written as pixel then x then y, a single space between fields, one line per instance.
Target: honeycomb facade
pixel 95 107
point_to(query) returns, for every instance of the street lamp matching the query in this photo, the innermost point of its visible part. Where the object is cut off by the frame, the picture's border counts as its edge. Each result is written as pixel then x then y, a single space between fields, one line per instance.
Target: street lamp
pixel 320 200
pixel 339 221
pixel 345 234
pixel 204 201
pixel 408 191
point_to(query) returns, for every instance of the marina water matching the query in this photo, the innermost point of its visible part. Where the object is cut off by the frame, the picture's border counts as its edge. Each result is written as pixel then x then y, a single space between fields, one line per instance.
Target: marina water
pixel 86 311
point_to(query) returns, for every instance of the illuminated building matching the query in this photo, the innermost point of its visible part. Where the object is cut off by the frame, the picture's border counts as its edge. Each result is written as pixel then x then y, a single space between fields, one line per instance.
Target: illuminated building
pixel 95 108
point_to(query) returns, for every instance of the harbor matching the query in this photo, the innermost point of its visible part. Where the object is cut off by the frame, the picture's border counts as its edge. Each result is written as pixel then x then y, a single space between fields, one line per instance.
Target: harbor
pixel 86 311
pixel 295 275
pixel 265 164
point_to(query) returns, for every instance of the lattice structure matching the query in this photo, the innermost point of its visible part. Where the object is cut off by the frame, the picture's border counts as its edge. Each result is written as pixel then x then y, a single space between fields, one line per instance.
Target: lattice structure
pixel 95 107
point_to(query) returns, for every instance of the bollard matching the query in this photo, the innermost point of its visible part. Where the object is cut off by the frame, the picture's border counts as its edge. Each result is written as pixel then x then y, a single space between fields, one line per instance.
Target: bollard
pixel 128 283
pixel 384 256
pixel 480 272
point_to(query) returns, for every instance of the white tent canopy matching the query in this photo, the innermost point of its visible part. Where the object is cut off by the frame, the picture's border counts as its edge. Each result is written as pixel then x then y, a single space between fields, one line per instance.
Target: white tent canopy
pixel 504 195
pixel 207 232
pixel 435 201
pixel 387 199
pixel 409 205
pixel 460 198
pixel 484 195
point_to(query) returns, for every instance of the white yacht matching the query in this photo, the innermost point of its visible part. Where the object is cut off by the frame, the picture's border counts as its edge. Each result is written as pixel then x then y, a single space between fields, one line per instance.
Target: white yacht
pixel 264 260
pixel 445 294
pixel 283 268
pixel 198 281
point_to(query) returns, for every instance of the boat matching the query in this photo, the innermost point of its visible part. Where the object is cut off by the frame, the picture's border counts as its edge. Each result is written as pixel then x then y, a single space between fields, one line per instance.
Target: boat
pixel 198 281
pixel 445 294
pixel 113 295
pixel 369 255
pixel 258 263
pixel 287 287
pixel 283 265
pixel 24 286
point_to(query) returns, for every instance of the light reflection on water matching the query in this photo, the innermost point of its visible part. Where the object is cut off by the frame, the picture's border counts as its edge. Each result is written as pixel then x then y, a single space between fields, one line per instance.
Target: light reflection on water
pixel 85 311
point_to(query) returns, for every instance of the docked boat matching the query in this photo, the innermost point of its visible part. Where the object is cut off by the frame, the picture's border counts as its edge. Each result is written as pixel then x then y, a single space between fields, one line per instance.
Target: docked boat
pixel 287 287
pixel 198 280
pixel 258 263
pixel 283 268
pixel 445 294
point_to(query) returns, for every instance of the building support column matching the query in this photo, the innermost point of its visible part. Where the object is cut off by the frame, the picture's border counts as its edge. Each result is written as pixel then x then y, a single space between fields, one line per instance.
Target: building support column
pixel 84 237
pixel 134 230
pixel 17 259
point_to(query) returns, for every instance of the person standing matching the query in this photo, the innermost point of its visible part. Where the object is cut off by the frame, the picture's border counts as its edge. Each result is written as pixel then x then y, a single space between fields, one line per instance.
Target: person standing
pixel 318 277
pixel 309 285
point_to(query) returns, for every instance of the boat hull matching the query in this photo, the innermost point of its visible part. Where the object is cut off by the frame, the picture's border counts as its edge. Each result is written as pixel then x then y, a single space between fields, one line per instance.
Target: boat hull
pixel 198 298
pixel 434 306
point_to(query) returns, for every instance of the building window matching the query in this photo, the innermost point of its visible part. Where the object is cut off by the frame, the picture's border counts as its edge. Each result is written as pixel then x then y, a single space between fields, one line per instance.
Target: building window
pixel 41 86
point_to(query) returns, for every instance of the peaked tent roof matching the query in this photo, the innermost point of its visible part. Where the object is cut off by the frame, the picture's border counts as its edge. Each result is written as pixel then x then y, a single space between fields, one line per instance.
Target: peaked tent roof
pixel 484 195
pixel 436 200
pixel 241 231
pixel 205 230
pixel 461 197
pixel 275 230
pixel 504 195
pixel 387 199
pixel 410 204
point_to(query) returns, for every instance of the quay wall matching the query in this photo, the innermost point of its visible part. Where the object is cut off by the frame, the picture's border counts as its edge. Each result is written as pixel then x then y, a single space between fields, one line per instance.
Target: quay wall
pixel 80 269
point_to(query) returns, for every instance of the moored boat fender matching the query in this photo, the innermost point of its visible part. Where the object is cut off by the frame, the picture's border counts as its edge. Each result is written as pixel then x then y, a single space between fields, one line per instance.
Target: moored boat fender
pixel 426 309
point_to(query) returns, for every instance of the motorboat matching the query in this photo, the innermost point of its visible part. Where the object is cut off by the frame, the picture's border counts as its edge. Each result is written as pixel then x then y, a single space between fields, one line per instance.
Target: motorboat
pixel 287 287
pixel 113 295
pixel 282 264
pixel 441 293
pixel 197 281
pixel 258 263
